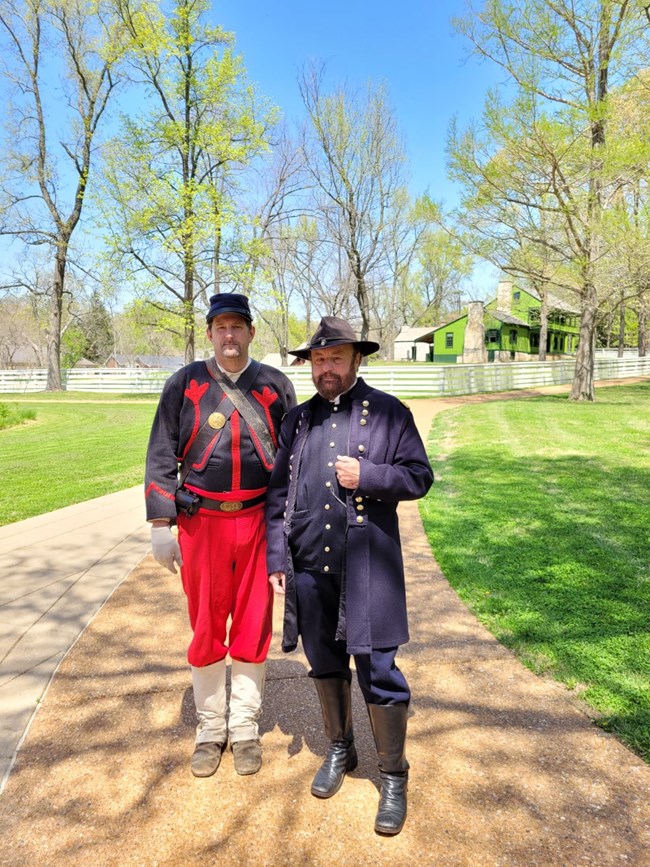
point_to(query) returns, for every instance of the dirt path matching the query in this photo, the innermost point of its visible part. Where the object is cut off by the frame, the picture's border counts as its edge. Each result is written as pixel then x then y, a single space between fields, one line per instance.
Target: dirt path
pixel 506 770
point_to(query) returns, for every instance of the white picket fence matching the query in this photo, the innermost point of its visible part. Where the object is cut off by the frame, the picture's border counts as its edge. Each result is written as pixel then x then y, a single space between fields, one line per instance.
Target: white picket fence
pixel 404 380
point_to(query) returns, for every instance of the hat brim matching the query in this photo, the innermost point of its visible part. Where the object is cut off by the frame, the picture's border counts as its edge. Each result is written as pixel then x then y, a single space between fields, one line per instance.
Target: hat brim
pixel 365 347
pixel 231 310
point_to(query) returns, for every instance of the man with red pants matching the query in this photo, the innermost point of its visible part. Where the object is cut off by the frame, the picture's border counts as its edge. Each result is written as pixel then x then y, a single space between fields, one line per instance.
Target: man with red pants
pixel 210 455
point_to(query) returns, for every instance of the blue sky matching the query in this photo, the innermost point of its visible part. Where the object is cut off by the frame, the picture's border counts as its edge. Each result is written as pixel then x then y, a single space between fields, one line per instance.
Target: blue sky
pixel 412 47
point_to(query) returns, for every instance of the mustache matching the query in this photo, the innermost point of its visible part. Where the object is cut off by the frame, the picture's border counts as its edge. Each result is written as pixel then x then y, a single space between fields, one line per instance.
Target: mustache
pixel 329 377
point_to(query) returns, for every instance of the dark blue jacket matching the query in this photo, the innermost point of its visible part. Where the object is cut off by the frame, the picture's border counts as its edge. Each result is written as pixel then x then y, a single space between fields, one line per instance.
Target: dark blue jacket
pixel 232 459
pixel 394 467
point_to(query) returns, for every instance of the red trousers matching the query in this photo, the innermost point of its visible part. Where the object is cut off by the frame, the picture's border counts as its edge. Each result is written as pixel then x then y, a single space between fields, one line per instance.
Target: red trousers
pixel 224 576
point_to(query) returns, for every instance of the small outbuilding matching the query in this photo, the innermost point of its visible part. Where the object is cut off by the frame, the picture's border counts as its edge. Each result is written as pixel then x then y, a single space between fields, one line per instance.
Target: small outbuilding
pixel 413 343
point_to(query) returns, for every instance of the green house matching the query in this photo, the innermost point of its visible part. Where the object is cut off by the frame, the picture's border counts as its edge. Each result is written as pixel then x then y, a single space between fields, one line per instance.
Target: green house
pixel 505 329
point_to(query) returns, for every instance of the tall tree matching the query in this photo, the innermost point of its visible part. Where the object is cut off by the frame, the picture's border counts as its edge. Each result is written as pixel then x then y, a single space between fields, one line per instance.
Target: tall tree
pixel 356 158
pixel 407 226
pixel 59 60
pixel 562 58
pixel 269 266
pixel 171 168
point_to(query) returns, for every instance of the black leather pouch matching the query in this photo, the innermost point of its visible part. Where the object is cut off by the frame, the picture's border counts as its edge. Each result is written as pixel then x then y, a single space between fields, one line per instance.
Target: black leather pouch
pixel 187 502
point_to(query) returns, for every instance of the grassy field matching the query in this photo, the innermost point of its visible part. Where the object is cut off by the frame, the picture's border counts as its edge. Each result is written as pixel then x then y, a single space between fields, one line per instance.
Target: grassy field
pixel 540 519
pixel 75 448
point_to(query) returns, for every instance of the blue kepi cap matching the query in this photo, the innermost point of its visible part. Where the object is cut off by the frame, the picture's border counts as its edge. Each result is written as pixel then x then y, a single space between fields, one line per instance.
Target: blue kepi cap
pixel 229 302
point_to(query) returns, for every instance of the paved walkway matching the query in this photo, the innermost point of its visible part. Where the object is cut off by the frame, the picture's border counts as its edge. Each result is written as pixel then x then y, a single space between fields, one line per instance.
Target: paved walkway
pixel 58 569
pixel 506 769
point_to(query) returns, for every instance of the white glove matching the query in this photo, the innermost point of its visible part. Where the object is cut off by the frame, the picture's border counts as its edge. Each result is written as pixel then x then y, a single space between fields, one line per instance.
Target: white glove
pixel 165 548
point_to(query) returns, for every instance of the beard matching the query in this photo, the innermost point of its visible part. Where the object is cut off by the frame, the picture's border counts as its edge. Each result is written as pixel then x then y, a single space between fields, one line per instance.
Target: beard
pixel 230 350
pixel 330 385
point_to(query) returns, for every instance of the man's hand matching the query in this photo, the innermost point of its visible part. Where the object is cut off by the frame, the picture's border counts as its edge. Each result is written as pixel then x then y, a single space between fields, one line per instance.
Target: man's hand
pixel 276 580
pixel 165 548
pixel 348 471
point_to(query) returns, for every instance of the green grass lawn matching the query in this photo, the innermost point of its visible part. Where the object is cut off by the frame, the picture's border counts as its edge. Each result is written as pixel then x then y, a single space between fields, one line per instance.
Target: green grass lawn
pixel 77 447
pixel 540 519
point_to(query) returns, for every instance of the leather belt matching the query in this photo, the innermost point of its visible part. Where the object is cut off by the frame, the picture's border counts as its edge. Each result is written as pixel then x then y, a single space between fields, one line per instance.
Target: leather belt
pixel 231 505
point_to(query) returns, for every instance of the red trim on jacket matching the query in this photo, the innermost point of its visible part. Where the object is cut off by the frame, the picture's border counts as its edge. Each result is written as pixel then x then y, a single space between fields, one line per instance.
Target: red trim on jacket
pixel 267 398
pixel 260 451
pixel 206 454
pixel 194 393
pixel 154 487
pixel 235 431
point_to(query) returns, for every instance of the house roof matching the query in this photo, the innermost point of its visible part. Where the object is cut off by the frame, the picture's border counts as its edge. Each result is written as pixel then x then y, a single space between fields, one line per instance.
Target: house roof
pixel 413 334
pixel 554 302
pixel 274 359
pixel 446 324
pixel 166 362
pixel 507 318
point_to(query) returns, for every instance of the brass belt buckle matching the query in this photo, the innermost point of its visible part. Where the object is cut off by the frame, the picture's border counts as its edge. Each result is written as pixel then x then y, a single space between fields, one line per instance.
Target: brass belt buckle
pixel 232 506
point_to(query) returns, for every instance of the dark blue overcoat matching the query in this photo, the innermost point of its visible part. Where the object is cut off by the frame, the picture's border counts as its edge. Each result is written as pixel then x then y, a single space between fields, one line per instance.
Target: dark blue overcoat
pixel 394 467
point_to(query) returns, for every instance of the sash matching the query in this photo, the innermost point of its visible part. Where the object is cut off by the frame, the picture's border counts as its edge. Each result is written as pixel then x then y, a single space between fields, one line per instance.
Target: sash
pixel 238 401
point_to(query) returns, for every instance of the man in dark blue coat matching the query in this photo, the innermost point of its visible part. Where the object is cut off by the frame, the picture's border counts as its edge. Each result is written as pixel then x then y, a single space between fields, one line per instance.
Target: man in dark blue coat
pixel 345 460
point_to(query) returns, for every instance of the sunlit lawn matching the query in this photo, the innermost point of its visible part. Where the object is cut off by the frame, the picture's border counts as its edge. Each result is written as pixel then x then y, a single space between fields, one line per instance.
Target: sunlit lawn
pixel 540 519
pixel 71 452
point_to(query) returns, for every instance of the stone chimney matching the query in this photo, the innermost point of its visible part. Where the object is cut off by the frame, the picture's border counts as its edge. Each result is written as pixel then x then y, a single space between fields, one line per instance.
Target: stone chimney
pixel 504 296
pixel 474 351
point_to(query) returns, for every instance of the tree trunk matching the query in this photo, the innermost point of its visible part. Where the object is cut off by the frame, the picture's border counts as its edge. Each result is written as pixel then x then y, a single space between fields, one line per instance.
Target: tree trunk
pixel 621 330
pixel 583 377
pixel 642 332
pixel 190 332
pixel 188 302
pixel 56 321
pixel 609 325
pixel 217 256
pixel 364 307
pixel 285 338
pixel 543 326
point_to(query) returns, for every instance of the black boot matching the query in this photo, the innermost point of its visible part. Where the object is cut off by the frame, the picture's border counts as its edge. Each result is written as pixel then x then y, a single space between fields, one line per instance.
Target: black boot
pixel 388 723
pixel 336 705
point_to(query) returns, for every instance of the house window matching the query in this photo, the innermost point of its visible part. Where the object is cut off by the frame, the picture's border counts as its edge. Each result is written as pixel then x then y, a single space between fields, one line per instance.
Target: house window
pixel 513 335
pixel 534 341
pixel 492 336
pixel 449 340
pixel 516 296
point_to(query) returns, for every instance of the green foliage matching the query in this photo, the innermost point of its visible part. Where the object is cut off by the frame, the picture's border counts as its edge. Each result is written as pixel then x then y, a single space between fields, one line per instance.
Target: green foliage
pixel 270 332
pixel 146 329
pixel 539 520
pixel 442 266
pixel 73 346
pixel 10 416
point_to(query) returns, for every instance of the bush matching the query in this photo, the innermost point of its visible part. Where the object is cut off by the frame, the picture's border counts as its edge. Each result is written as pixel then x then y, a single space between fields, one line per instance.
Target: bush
pixel 10 416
